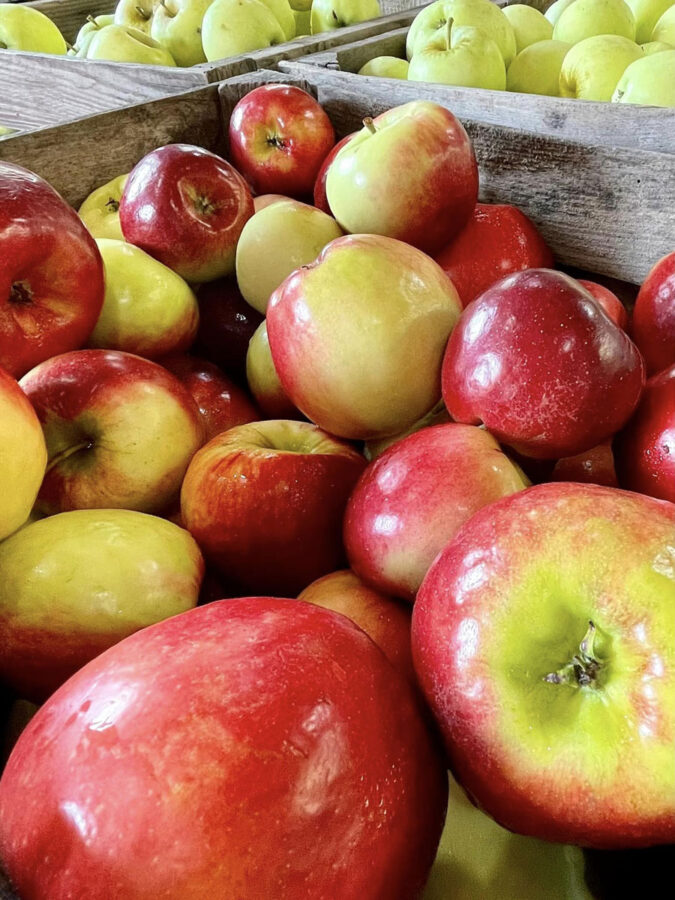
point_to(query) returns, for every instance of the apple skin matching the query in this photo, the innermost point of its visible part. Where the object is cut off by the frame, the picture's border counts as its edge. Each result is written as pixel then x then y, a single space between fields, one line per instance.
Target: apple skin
pixel 384 619
pixel 595 466
pixel 263 380
pixel 589 18
pixel 51 273
pixel 120 431
pixel 412 500
pixel 265 503
pixel 100 210
pixel 609 302
pixel 279 136
pixel 24 28
pixel 645 449
pixel 250 748
pixel 515 346
pixel 502 611
pixel 536 69
pixel 186 207
pixel 76 583
pixel 265 200
pixel 436 416
pixel 653 326
pixel 496 241
pixel 320 199
pixel 593 67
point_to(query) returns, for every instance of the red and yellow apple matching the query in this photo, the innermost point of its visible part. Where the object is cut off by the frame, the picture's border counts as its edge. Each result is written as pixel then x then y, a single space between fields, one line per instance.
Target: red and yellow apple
pixel 595 466
pixel 263 380
pixel 654 316
pixel 608 301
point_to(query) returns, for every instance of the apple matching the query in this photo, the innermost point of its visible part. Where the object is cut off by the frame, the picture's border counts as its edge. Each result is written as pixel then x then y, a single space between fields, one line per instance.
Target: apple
pixel 653 326
pixel 497 240
pixel 148 309
pixel 463 56
pixel 263 380
pixel 556 9
pixel 327 15
pixel 136 14
pixel 120 43
pixel 413 499
pixel 234 27
pixel 655 47
pixel 386 67
pixel 529 25
pixel 645 449
pixel 250 748
pixel 536 69
pixel 664 30
pixel 24 28
pixel 320 199
pixel 76 583
pixel 186 207
pixel 647 14
pixel 177 25
pixel 221 403
pixel 5 130
pixel 595 466
pixel 480 14
pixel 51 273
pixel 437 416
pixel 409 174
pixel 303 21
pixel 649 81
pixel 275 242
pixel 120 431
pixel 264 200
pixel 542 638
pixel 100 211
pixel 23 456
pixel 608 301
pixel 86 34
pixel 542 366
pixel 592 68
pixel 265 503
pixel 357 337
pixel 384 619
pixel 279 136
pixel 587 18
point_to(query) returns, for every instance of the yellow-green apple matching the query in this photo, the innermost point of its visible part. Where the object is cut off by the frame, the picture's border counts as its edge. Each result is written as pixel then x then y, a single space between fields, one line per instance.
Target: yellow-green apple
pixel 120 43
pixel 24 28
pixel 303 21
pixel 177 25
pixel 263 380
pixel 120 431
pixel 254 747
pixel 540 364
pixel 357 338
pixel 478 13
pixel 233 27
pixel 136 14
pixel 319 192
pixel 655 47
pixel 413 499
pixel 536 70
pixel 300 5
pixel 654 316
pixel 100 211
pixel 276 241
pixel 76 583
pixel 592 68
pixel 327 15
pixel 529 25
pixel 263 200
pixel 279 137
pixel 51 273
pixel 265 503
pixel 608 301
pixel 23 455
pixel 542 637
pixel 664 30
pixel 556 9
pixel 186 207
pixel 649 81
pixel 386 67
pixel 586 18
pixel 86 34
pixel 148 308
pixel 595 466
pixel 463 56
pixel 437 416
pixel 284 15
pixel 410 174
pixel 647 13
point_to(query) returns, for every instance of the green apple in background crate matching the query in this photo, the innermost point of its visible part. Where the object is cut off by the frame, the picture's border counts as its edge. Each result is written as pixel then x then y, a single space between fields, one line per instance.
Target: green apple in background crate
pixel 463 56
pixel 592 68
pixel 529 25
pixel 86 34
pixel 480 14
pixel 232 27
pixel 177 25
pixel 650 81
pixel 121 43
pixel 536 69
pixel 23 28
pixel 328 15
pixel 136 13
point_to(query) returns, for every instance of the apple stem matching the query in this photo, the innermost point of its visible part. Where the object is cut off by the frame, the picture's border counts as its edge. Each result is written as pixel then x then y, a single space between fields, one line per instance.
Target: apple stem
pixel 370 125
pixel 583 668
pixel 448 32
pixel 143 14
pixel 92 21
pixel 86 444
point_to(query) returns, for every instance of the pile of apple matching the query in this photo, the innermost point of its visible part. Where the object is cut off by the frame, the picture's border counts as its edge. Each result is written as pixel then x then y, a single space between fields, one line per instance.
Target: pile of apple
pixel 584 49
pixel 424 363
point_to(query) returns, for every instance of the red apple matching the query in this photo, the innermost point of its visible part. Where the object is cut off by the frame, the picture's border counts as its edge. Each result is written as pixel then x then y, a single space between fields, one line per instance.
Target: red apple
pixel 120 431
pixel 609 302
pixel 595 466
pixel 543 640
pixel 645 449
pixel 279 136
pixel 320 199
pixel 186 207
pixel 496 241
pixel 265 503
pixel 51 273
pixel 654 316
pixel 541 366
pixel 252 748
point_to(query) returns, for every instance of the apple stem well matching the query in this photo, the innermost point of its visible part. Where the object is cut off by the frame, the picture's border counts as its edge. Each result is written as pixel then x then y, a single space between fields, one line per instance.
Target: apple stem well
pixel 370 125
pixel 86 444
pixel 20 294
pixel 143 14
pixel 583 668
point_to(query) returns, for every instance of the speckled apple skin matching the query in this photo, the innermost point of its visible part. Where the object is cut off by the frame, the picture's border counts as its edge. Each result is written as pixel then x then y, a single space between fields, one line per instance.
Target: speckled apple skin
pixel 654 316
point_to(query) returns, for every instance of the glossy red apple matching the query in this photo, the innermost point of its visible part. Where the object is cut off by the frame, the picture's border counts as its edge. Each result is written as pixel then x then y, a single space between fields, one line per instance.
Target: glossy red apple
pixel 186 207
pixel 320 199
pixel 51 273
pixel 654 316
pixel 645 449
pixel 279 137
pixel 496 241
pixel 609 302
pixel 252 748
pixel 265 503
pixel 595 466
pixel 541 365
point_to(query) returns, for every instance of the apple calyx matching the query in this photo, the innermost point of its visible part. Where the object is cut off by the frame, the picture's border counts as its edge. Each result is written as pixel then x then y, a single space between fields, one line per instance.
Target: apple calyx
pixel 20 294
pixel 370 125
pixel 583 668
pixel 85 444
pixel 112 204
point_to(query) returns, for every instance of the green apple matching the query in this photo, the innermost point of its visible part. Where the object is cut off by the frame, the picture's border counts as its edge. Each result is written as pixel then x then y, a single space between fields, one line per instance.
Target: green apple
pixel 536 69
pixel 5 129
pixel 328 15
pixel 649 81
pixel 148 309
pixel 303 21
pixel 177 25
pixel 233 27
pixel 386 67
pixel 529 25
pixel 647 13
pixel 24 28
pixel 87 32
pixel 276 241
pixel 100 211
pixel 301 5
pixel 263 381
pixel 664 30
pixel 586 18
pixel 463 56
pixel 284 15
pixel 136 14
pixel 478 13
pixel 556 9
pixel 119 43
pixel 655 47
pixel 592 68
